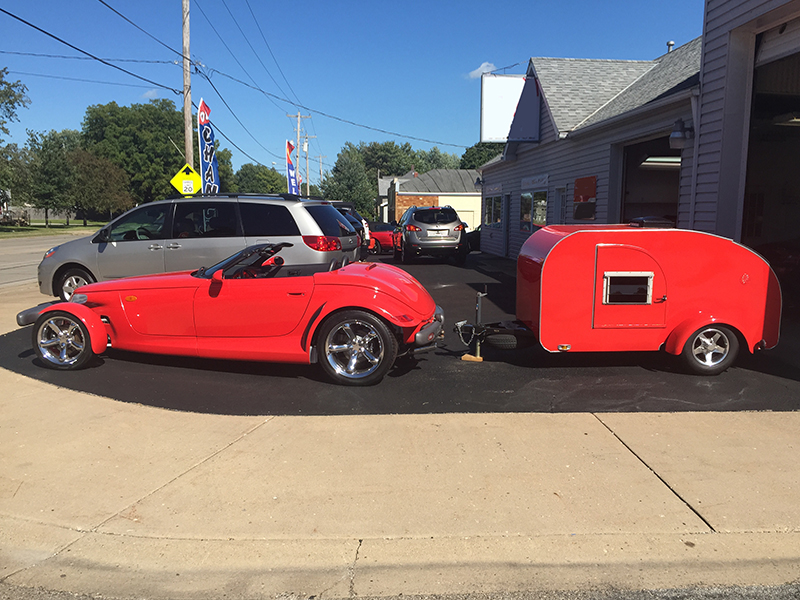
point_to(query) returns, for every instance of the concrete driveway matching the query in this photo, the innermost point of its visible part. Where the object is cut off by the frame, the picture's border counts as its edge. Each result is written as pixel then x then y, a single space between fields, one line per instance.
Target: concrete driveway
pixel 161 492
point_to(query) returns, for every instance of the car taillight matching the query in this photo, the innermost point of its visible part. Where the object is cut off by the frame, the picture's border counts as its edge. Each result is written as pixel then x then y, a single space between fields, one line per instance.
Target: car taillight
pixel 459 227
pixel 322 243
pixel 413 228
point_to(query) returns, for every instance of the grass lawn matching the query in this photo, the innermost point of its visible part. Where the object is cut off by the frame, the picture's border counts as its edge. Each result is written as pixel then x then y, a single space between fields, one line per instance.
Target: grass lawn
pixel 56 228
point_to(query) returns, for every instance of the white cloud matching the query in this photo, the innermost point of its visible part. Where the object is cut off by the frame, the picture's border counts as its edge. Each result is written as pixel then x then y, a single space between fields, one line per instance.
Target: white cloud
pixel 486 67
pixel 150 94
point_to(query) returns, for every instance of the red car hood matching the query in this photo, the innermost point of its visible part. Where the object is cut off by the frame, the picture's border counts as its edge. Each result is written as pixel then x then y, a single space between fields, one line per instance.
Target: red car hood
pixel 383 278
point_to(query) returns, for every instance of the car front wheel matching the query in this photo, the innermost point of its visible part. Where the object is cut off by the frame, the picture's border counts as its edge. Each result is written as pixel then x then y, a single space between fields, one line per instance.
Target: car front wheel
pixel 62 341
pixel 710 350
pixel 70 281
pixel 356 348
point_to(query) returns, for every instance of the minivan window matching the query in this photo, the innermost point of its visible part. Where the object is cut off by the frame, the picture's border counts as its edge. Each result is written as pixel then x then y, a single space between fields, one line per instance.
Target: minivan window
pixel 146 223
pixel 267 220
pixel 204 219
pixel 330 220
pixel 435 215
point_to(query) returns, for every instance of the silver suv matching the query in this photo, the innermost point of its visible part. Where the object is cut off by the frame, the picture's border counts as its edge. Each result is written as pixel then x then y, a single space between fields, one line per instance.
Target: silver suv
pixel 187 233
pixel 431 230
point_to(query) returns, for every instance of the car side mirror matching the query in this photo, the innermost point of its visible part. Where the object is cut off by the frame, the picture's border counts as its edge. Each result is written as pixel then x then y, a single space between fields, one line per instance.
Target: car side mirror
pixel 102 237
pixel 217 275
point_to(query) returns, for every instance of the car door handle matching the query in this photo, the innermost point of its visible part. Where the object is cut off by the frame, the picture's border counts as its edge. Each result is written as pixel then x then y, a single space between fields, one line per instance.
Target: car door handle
pixel 296 293
pixel 173 246
pixel 155 247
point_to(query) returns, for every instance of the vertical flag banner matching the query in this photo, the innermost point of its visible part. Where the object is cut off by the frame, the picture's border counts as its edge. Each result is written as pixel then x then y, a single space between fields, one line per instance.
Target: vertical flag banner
pixel 291 174
pixel 209 170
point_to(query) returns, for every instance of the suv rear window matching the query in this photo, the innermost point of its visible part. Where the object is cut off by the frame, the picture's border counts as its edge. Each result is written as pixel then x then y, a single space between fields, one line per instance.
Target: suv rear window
pixel 431 216
pixel 330 220
pixel 267 219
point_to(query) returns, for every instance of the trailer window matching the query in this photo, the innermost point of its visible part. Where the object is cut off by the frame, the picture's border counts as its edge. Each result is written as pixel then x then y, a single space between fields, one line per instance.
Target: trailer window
pixel 628 288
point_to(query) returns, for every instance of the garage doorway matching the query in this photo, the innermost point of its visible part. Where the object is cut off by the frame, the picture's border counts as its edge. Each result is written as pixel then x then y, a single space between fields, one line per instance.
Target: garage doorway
pixel 651 181
pixel 771 215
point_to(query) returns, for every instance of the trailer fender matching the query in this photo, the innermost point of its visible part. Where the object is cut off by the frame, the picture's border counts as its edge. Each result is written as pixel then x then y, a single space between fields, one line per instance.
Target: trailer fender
pixel 97 330
pixel 676 340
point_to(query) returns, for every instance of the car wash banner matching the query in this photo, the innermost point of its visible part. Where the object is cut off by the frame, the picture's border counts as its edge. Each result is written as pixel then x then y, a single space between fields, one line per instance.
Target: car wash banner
pixel 209 170
pixel 291 174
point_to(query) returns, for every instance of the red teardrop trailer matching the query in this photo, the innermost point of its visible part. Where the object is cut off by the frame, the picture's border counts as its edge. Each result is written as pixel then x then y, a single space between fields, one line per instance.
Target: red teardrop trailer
pixel 615 288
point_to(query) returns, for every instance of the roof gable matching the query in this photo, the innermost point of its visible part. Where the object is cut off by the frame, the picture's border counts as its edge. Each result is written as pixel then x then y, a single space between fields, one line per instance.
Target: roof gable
pixel 576 88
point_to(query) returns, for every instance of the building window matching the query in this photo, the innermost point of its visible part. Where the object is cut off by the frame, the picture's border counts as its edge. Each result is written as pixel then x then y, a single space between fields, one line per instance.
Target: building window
pixel 532 210
pixel 493 213
pixel 628 288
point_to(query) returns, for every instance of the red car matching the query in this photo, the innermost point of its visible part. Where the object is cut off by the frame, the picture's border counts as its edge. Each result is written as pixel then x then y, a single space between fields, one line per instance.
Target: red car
pixel 353 320
pixel 380 237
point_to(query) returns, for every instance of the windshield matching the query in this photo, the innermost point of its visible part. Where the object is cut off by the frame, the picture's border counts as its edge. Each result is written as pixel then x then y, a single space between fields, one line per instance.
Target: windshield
pixel 247 257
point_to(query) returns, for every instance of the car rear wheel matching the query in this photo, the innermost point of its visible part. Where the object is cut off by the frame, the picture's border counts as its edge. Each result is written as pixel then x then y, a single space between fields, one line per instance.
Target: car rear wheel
pixel 70 281
pixel 710 350
pixel 62 341
pixel 406 255
pixel 376 249
pixel 356 348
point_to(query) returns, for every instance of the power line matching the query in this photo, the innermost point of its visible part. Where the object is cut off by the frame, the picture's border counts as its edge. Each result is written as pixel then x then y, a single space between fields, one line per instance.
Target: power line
pixel 105 62
pixel 123 60
pixel 133 85
pixel 119 14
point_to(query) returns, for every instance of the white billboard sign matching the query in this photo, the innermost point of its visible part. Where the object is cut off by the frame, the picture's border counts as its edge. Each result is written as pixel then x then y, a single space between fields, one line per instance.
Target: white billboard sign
pixel 499 98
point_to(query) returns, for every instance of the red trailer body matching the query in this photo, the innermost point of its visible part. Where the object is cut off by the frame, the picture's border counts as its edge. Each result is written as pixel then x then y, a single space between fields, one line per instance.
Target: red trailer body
pixel 618 287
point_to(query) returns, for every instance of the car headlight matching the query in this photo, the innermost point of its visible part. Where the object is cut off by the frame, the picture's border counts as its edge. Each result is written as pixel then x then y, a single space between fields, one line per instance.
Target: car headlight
pixel 50 252
pixel 79 298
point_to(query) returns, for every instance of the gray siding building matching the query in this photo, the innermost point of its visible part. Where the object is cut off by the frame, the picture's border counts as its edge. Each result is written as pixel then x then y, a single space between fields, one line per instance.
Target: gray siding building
pixel 706 136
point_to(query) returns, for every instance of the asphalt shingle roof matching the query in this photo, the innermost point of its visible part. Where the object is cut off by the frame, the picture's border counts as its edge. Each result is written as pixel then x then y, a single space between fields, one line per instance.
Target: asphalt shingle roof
pixel 582 92
pixel 442 181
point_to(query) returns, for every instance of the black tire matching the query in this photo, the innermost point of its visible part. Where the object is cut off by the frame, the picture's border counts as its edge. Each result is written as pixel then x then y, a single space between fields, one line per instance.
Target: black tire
pixel 396 253
pixel 70 280
pixel 406 255
pixel 61 341
pixel 355 348
pixel 376 249
pixel 711 349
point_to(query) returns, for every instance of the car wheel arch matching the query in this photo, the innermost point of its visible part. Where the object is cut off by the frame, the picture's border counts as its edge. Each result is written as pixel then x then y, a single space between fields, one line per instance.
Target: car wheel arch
pixel 320 318
pixel 59 273
pixel 678 337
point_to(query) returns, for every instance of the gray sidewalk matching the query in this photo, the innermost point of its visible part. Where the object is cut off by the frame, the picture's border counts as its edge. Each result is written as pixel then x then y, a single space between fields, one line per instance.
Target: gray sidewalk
pixel 123 500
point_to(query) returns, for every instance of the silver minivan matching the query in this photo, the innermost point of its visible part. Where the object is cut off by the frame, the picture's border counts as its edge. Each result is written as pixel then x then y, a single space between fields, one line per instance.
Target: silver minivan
pixel 187 233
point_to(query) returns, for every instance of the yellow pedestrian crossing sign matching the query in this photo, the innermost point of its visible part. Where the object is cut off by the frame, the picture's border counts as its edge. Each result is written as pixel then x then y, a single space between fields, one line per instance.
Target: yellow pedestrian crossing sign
pixel 187 181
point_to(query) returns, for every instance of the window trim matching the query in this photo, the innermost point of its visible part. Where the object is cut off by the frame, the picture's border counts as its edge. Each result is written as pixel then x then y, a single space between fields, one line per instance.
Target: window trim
pixel 607 275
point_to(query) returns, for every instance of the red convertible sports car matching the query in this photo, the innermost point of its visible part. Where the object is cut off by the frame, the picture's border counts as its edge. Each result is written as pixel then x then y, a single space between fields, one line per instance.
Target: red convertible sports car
pixel 354 320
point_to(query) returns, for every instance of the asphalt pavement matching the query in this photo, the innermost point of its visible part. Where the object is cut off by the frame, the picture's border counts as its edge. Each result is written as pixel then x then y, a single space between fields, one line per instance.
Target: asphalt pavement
pixel 167 478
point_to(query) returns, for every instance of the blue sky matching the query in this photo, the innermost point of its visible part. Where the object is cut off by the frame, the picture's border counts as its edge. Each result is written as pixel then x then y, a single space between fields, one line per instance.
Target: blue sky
pixel 360 69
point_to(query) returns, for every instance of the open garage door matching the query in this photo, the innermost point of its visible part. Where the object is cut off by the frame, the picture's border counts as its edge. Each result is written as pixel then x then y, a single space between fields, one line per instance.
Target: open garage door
pixel 771 217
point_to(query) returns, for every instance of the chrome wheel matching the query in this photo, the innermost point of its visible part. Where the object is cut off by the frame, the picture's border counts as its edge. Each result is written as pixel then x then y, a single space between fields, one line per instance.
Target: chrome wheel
pixel 62 341
pixel 71 281
pixel 711 350
pixel 356 347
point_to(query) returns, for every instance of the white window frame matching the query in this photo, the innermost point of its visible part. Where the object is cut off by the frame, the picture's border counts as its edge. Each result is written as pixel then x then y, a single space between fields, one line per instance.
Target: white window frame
pixel 607 275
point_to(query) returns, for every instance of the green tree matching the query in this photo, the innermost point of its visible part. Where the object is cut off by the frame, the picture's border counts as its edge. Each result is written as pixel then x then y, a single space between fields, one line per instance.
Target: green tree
pixel 258 179
pixel 480 154
pixel 435 159
pixel 98 186
pixel 349 181
pixel 387 158
pixel 12 97
pixel 51 174
pixel 227 178
pixel 15 173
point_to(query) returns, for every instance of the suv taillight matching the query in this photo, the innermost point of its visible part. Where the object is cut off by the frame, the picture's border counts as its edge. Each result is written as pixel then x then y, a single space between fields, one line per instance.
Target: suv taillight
pixel 459 227
pixel 323 243
pixel 413 228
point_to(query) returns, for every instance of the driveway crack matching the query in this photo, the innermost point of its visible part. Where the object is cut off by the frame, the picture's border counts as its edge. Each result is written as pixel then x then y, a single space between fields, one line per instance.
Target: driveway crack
pixel 659 477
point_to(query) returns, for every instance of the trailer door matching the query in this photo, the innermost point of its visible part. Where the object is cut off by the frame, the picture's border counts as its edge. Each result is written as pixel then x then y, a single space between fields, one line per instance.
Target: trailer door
pixel 629 289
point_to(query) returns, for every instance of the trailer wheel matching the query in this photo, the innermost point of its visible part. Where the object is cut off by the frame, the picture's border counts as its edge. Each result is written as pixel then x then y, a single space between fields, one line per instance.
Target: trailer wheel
pixel 710 350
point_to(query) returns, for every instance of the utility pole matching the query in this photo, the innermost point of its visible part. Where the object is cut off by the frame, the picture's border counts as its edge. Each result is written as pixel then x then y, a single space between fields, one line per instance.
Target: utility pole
pixel 320 157
pixel 187 90
pixel 297 147
pixel 305 149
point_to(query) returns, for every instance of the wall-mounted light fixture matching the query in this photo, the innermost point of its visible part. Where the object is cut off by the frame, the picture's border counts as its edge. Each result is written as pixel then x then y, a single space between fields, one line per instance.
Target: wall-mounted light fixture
pixel 791 119
pixel 680 136
pixel 478 184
